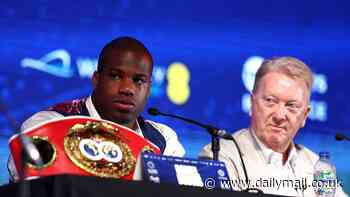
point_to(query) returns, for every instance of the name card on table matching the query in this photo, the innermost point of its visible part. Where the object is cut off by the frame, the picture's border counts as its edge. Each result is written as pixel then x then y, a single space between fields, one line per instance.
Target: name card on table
pixel 184 171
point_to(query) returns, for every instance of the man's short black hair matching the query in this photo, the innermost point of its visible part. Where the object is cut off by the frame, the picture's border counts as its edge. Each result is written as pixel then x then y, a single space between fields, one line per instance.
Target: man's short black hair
pixel 124 43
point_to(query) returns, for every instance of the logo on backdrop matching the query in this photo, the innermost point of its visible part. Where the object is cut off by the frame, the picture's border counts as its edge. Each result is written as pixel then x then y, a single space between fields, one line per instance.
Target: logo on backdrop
pixel 172 80
pixel 58 63
pixel 320 86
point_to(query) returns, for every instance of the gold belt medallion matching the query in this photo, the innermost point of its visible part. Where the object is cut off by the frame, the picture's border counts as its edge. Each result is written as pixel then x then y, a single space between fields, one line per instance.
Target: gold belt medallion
pixel 97 148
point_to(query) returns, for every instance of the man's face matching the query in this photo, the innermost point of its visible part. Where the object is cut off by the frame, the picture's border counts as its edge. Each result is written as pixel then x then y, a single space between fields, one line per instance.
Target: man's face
pixel 279 110
pixel 122 87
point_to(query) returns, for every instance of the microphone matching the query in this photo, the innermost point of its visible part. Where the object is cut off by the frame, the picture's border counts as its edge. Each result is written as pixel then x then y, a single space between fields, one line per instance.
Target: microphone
pixel 153 111
pixel 30 151
pixel 212 130
pixel 341 137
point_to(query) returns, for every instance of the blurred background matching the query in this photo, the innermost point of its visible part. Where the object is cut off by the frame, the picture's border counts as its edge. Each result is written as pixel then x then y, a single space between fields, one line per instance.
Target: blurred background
pixel 205 53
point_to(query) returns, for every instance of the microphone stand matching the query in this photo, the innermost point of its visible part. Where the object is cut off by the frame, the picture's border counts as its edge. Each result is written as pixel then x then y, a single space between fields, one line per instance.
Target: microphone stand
pixel 215 142
pixel 214 132
pixel 24 186
pixel 215 147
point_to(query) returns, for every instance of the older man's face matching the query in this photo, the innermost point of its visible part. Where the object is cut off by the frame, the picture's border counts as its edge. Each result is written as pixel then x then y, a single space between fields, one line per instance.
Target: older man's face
pixel 279 109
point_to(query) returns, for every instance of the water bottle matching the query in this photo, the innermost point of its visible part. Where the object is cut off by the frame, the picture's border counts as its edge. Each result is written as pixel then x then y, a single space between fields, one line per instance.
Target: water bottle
pixel 324 176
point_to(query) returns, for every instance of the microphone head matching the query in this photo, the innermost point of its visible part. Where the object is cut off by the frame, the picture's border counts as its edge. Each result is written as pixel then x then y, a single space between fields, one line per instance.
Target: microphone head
pixel 340 137
pixel 153 111
pixel 31 151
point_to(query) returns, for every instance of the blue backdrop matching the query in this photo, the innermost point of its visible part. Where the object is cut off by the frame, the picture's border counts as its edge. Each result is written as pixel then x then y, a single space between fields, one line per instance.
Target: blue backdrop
pixel 205 55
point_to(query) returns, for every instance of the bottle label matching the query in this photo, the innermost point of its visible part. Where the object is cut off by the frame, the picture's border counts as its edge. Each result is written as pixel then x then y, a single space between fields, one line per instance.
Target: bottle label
pixel 325 183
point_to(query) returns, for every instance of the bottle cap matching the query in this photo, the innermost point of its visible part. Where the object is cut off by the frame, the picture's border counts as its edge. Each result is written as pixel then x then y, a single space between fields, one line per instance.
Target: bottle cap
pixel 324 154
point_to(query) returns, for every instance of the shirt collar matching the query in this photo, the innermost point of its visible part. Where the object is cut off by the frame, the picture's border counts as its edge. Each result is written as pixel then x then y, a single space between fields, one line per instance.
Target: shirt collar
pixel 93 113
pixel 272 156
pixel 91 108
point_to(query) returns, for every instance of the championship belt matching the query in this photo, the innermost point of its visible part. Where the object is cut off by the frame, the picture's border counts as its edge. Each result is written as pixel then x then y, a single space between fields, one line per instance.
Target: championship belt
pixel 83 146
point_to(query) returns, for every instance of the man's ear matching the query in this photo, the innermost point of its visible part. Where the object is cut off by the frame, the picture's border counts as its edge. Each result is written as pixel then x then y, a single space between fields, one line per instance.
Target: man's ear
pixel 95 79
pixel 251 103
pixel 306 115
pixel 149 90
